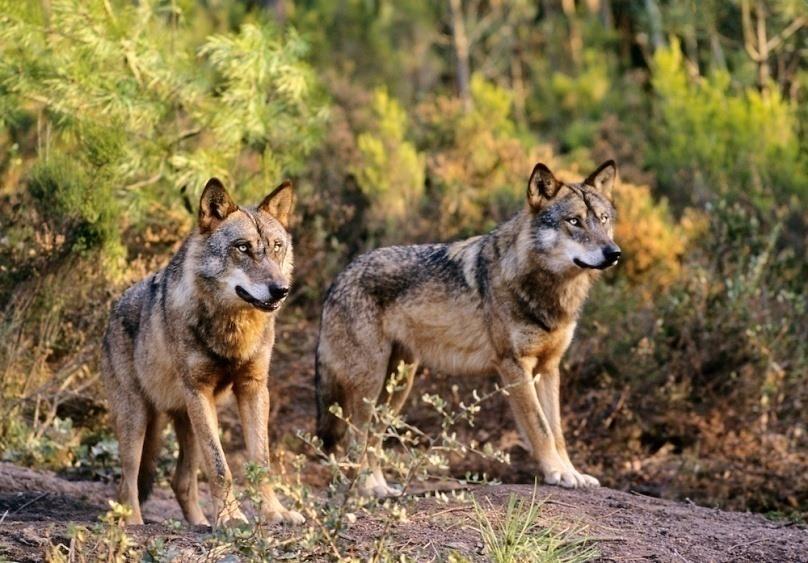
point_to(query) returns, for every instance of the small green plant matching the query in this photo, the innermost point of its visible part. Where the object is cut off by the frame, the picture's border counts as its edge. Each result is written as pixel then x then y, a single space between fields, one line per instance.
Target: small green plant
pixel 520 536
pixel 106 541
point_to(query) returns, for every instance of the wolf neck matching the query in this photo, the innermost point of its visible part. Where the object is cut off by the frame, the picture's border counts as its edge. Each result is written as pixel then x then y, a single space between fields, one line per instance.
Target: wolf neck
pixel 232 335
pixel 548 298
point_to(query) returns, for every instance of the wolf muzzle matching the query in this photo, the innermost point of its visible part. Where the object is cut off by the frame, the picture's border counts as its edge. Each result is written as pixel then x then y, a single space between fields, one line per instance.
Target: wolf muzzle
pixel 611 255
pixel 276 295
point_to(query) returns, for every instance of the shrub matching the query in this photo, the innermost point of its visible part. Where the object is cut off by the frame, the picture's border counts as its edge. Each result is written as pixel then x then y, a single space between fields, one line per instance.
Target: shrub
pixel 391 171
pixel 715 138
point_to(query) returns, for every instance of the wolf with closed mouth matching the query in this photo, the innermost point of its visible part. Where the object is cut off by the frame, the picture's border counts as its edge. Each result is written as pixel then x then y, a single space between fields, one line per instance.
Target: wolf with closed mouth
pixel 178 339
pixel 505 302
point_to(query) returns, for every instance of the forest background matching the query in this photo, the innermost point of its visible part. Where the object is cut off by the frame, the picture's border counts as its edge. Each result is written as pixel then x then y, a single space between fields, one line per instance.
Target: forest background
pixel 414 121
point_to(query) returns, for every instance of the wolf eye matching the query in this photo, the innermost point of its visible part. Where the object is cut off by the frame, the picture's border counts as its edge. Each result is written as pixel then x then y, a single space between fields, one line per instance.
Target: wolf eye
pixel 243 247
pixel 604 218
pixel 278 245
pixel 573 221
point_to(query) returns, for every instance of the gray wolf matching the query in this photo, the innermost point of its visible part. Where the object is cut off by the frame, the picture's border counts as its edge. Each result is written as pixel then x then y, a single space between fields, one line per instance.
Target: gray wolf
pixel 505 302
pixel 181 337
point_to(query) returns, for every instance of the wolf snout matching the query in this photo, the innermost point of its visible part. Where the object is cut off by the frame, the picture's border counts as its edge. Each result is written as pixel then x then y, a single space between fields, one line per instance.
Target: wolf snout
pixel 612 254
pixel 278 292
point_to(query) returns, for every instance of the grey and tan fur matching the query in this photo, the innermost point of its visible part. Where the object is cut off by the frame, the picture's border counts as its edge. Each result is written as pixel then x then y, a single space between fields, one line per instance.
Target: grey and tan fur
pixel 178 339
pixel 505 302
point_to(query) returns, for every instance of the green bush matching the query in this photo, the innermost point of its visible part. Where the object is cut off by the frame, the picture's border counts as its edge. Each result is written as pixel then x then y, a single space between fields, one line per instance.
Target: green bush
pixel 712 137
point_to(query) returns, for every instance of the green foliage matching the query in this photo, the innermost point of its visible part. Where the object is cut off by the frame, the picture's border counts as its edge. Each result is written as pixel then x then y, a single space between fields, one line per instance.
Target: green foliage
pixel 73 204
pixel 714 137
pixel 167 109
pixel 477 158
pixel 391 171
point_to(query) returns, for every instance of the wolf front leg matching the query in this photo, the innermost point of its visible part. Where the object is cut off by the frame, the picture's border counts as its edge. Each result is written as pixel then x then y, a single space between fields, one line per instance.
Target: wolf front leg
pixel 202 412
pixel 517 375
pixel 548 389
pixel 252 396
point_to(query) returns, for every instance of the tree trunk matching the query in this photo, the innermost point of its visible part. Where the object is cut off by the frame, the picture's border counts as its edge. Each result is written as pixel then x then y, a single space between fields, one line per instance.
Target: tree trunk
pixel 576 43
pixel 461 47
pixel 762 46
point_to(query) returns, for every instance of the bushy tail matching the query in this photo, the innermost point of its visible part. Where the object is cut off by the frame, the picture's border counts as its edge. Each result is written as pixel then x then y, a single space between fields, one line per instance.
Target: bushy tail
pixel 148 460
pixel 330 429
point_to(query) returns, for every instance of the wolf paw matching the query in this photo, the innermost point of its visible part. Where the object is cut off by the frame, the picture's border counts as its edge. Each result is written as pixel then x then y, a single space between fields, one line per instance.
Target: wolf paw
pixel 198 520
pixel 285 517
pixel 386 491
pixel 570 479
pixel 589 481
pixel 375 487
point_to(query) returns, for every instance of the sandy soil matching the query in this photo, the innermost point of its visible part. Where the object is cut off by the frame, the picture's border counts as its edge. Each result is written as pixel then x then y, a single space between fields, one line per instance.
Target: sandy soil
pixel 37 507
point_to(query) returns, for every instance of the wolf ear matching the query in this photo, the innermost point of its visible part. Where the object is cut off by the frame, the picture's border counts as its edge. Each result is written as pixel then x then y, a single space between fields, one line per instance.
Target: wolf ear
pixel 279 203
pixel 603 178
pixel 541 186
pixel 214 205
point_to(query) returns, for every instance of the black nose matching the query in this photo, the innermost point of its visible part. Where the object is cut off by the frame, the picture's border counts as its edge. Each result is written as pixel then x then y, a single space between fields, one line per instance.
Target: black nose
pixel 612 253
pixel 278 292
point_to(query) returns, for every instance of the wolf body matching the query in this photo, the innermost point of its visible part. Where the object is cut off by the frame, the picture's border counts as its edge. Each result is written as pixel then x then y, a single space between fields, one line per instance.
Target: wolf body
pixel 505 302
pixel 178 339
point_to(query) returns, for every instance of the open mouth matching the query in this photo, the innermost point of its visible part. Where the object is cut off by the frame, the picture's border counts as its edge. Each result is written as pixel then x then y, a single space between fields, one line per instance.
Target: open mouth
pixel 602 266
pixel 269 305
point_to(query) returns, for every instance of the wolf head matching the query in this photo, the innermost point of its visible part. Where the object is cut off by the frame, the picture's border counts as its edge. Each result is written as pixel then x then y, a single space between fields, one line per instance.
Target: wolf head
pixel 572 224
pixel 245 257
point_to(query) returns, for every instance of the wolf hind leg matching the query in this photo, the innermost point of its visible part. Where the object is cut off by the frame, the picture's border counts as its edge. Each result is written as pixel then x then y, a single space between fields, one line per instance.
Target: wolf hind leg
pixel 395 402
pixel 185 483
pixel 365 377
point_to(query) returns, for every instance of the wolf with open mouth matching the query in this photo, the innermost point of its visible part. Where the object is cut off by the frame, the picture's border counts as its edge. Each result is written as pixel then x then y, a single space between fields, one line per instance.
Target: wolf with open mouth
pixel 184 335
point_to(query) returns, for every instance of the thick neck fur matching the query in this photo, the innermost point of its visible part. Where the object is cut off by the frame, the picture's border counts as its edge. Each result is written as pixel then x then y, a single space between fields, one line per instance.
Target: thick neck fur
pixel 550 298
pixel 231 334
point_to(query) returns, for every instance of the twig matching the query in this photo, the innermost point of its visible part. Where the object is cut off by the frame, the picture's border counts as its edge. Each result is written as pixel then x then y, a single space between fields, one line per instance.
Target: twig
pixel 30 502
pixel 558 502
pixel 448 510
pixel 746 544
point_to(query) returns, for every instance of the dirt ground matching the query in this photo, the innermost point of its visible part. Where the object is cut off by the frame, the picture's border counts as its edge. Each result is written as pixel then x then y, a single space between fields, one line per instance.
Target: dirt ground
pixel 36 508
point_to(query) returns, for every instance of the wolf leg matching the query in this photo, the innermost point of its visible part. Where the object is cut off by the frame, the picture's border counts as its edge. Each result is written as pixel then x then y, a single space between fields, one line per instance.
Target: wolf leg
pixel 252 396
pixel 532 421
pixel 202 413
pixel 395 401
pixel 363 448
pixel 131 424
pixel 547 388
pixel 185 483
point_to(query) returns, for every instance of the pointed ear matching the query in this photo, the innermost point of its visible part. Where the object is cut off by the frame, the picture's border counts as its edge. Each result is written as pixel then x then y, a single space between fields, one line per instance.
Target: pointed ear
pixel 541 186
pixel 603 178
pixel 279 203
pixel 214 205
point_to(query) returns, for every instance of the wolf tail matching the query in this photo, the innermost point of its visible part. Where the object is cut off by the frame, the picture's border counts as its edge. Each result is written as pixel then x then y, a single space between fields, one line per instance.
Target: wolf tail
pixel 148 458
pixel 330 428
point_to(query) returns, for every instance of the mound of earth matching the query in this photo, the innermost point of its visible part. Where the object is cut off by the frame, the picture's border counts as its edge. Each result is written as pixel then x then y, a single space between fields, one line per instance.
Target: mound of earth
pixel 36 508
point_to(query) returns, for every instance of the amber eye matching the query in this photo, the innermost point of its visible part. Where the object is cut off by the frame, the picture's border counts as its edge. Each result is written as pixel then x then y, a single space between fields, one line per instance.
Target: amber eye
pixel 604 218
pixel 243 247
pixel 278 245
pixel 573 221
